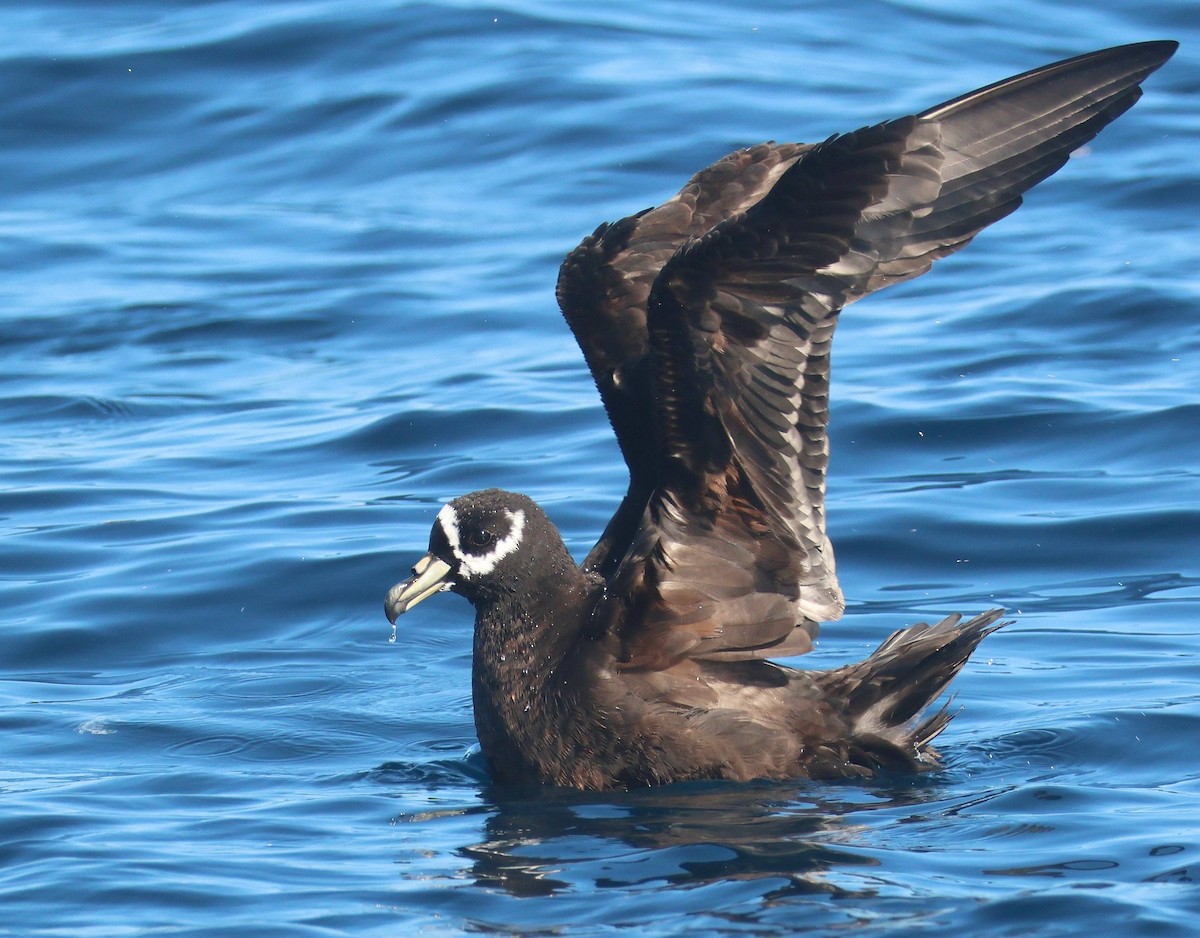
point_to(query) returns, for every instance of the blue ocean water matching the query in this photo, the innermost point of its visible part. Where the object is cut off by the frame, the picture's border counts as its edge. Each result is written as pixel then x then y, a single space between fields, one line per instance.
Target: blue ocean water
pixel 279 281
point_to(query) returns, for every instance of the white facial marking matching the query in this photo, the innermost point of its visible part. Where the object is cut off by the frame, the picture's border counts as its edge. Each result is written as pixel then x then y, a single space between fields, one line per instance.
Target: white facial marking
pixel 470 565
pixel 448 519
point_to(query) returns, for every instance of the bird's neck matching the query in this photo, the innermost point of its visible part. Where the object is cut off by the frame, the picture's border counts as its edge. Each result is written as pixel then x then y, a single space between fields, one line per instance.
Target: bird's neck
pixel 528 651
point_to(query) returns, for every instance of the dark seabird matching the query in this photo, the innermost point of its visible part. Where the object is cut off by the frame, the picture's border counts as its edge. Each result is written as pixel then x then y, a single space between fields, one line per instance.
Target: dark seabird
pixel 706 323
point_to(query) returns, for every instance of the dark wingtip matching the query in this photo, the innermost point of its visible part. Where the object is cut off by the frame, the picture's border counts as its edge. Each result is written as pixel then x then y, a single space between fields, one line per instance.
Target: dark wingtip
pixel 1152 52
pixel 1158 49
pixel 1104 72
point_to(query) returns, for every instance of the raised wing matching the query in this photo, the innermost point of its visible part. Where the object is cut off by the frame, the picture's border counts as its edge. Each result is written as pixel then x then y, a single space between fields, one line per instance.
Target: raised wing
pixel 730 558
pixel 603 289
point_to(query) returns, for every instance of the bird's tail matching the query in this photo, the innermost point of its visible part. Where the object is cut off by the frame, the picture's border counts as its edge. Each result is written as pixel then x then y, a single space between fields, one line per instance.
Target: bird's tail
pixel 885 693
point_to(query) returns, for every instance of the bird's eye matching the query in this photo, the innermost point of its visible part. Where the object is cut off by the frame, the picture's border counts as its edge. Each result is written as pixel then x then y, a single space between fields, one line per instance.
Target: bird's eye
pixel 481 538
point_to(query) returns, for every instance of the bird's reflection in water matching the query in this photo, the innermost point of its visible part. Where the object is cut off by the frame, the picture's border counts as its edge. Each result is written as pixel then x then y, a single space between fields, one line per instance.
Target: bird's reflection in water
pixel 540 841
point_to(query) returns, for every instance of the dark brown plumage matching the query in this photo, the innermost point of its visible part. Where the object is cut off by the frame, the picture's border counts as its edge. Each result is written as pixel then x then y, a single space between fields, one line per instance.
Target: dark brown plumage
pixel 706 323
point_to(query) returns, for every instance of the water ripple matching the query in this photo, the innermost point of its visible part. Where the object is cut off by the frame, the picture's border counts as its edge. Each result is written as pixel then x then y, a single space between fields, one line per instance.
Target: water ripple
pixel 279 281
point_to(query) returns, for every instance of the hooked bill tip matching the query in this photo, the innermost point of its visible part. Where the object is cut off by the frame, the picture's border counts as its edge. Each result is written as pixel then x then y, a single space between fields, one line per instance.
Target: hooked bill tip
pixel 429 577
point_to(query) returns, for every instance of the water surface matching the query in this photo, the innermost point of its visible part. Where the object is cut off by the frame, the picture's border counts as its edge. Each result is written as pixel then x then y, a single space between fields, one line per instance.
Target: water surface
pixel 279 281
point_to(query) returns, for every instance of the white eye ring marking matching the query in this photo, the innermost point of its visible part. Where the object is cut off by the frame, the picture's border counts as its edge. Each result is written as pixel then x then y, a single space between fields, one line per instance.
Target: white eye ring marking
pixel 470 565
